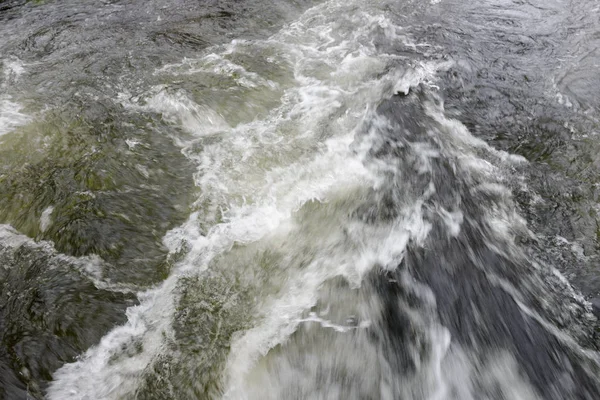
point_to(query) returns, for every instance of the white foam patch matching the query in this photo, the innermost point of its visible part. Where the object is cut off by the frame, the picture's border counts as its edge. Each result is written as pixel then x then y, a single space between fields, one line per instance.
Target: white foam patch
pixel 45 219
pixel 11 116
pixel 313 317
pixel 13 68
pixel 423 73
pixel 11 238
pixel 132 143
pixel 10 112
pixel 196 119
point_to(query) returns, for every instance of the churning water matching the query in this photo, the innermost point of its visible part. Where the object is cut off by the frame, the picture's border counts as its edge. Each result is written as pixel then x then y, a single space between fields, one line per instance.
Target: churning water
pixel 333 199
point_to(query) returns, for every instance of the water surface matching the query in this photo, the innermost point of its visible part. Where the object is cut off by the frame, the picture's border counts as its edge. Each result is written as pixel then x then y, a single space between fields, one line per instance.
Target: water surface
pixel 299 199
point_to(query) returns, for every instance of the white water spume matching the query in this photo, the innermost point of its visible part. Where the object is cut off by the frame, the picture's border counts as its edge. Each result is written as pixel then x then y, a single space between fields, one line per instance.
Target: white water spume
pixel 285 181
pixel 11 238
pixel 11 116
pixel 10 112
pixel 13 68
pixel 45 219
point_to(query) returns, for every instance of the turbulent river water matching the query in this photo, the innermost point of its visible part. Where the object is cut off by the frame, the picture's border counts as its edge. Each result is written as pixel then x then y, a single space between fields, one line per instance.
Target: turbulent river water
pixel 287 199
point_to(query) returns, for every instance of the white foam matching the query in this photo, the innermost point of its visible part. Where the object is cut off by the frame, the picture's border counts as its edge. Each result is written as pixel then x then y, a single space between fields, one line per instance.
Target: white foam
pixel 11 116
pixel 45 220
pixel 313 317
pixel 11 238
pixel 132 143
pixel 104 371
pixel 13 68
pixel 10 112
pixel 179 109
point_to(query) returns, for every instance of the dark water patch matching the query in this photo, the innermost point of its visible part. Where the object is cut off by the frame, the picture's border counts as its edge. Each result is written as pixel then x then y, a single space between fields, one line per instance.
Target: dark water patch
pixel 50 312
pixel 180 38
pixel 108 198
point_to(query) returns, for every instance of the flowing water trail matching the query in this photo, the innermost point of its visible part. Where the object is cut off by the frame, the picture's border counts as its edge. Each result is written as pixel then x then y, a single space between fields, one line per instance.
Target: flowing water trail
pixel 256 176
pixel 348 236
